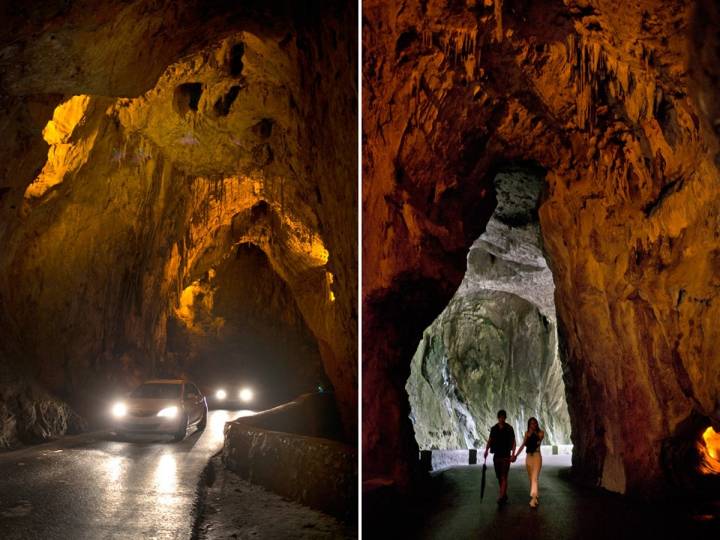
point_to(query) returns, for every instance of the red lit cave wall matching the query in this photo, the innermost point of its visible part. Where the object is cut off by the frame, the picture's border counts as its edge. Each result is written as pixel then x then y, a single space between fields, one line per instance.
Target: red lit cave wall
pixel 142 142
pixel 599 97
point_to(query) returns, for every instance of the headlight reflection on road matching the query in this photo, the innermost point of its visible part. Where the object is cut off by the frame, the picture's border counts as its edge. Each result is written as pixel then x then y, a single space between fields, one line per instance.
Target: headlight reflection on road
pixel 217 424
pixel 113 466
pixel 166 479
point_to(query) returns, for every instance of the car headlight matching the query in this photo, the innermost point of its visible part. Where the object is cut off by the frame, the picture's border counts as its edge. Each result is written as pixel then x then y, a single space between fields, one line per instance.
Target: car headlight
pixel 168 412
pixel 246 394
pixel 119 409
pixel 221 394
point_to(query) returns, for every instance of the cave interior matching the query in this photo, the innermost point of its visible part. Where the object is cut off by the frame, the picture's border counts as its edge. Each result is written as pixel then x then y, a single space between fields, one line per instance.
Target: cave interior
pixel 177 198
pixel 619 108
pixel 495 344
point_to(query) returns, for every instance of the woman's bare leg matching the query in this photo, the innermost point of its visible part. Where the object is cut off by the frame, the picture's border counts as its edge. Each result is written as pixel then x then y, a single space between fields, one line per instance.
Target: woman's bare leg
pixel 533 463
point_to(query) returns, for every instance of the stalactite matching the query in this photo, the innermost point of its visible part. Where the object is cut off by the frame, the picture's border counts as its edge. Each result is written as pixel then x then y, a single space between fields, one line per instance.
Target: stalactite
pixel 498 20
pixel 458 45
pixel 595 72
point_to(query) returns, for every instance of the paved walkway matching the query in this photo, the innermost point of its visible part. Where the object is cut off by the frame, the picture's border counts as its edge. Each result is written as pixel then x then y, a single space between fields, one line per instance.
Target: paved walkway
pixel 452 509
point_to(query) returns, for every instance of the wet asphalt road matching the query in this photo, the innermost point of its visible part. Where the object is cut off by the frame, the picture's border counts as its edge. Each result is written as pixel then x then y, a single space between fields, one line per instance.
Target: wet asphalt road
pixel 96 486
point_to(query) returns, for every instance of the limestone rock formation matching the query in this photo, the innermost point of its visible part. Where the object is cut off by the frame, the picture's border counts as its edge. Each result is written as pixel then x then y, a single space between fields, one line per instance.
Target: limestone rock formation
pixel 143 142
pixel 29 414
pixel 495 345
pixel 508 256
pixel 601 97
pixel 485 352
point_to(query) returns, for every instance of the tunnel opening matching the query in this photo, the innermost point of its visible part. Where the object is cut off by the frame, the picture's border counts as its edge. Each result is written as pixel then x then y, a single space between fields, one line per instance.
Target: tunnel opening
pixel 495 345
pixel 239 326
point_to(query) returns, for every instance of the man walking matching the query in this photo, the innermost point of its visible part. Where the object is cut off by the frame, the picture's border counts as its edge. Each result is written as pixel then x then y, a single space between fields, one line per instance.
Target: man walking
pixel 502 444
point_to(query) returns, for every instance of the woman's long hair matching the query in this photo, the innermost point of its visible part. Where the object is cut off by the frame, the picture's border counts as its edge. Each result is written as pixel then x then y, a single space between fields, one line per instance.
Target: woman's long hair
pixel 530 420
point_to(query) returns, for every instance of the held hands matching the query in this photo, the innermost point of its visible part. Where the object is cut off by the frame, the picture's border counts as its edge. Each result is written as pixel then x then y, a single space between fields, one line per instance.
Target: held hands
pixel 513 458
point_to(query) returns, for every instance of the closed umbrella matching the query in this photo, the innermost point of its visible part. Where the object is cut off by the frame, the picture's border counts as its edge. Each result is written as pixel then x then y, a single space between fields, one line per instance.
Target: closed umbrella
pixel 482 483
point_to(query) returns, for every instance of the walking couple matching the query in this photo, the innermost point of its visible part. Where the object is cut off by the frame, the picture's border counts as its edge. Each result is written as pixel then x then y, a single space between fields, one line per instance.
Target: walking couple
pixel 502 445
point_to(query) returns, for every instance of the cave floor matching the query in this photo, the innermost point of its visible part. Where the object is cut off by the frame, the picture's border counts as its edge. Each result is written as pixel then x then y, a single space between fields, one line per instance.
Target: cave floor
pixel 451 508
pixel 97 486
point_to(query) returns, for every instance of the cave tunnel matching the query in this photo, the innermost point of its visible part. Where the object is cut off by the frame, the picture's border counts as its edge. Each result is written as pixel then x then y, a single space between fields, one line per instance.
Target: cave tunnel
pixel 617 106
pixel 240 322
pixel 495 344
pixel 178 201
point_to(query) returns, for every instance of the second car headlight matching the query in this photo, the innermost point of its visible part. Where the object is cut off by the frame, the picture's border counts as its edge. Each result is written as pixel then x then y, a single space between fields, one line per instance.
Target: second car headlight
pixel 168 412
pixel 221 394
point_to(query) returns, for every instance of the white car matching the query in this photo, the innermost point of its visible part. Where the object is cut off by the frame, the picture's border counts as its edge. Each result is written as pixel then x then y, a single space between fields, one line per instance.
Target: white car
pixel 161 406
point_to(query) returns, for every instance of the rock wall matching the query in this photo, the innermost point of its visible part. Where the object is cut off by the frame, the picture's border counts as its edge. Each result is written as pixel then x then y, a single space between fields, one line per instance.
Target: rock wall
pixel 29 414
pixel 600 98
pixel 486 352
pixel 143 142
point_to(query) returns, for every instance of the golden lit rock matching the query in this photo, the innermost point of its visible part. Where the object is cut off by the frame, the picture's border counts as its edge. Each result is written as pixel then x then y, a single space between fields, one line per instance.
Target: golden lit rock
pixel 178 137
pixel 599 98
pixel 64 156
pixel 712 442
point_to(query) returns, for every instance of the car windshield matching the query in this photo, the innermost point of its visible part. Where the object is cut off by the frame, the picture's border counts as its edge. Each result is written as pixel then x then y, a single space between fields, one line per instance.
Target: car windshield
pixel 157 391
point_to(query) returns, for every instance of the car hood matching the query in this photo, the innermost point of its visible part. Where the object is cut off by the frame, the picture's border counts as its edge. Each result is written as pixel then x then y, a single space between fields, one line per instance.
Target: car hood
pixel 150 405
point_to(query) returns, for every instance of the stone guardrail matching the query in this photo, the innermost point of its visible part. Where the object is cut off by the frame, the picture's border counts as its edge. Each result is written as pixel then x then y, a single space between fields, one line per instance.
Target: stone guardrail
pixel 315 471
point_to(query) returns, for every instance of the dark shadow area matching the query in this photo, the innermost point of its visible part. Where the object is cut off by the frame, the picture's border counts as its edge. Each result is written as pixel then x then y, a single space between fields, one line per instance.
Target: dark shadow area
pixel 223 104
pixel 187 97
pixel 447 505
pixel 235 63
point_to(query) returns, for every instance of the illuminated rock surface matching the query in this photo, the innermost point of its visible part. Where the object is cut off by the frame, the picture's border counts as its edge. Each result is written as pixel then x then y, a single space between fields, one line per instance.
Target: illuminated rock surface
pixel 143 142
pixel 599 97
pixel 495 345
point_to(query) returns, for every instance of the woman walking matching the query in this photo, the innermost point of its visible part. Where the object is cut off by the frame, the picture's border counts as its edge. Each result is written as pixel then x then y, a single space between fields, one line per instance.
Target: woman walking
pixel 533 461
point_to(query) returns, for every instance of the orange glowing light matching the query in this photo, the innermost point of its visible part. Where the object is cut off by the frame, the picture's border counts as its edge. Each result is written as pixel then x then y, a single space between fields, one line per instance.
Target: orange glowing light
pixel 712 441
